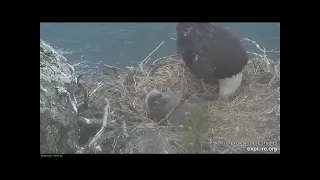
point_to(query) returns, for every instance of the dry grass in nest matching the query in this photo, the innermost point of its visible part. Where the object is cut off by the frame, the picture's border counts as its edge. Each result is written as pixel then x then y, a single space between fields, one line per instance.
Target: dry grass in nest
pixel 254 115
pixel 254 105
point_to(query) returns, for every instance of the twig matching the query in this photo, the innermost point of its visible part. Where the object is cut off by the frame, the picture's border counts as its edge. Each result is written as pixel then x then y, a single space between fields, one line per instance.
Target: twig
pixel 73 104
pixel 67 95
pixel 97 137
pixel 131 107
pixel 112 67
pixel 274 77
pixel 113 133
pixel 264 56
pixel 266 98
pixel 132 114
pixel 240 102
pixel 118 131
pixel 97 121
pixel 99 85
pixel 145 60
pixel 163 58
pixel 258 46
pixel 255 73
pixel 269 110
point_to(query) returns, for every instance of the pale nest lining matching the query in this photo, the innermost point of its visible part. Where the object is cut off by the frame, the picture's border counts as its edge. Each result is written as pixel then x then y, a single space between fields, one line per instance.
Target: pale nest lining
pixel 254 115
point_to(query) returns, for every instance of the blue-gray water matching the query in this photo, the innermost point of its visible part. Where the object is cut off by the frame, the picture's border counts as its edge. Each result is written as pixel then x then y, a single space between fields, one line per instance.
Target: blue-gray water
pixel 132 42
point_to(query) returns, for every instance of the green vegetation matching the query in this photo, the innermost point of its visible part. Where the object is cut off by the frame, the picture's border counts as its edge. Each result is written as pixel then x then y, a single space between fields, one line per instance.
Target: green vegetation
pixel 197 129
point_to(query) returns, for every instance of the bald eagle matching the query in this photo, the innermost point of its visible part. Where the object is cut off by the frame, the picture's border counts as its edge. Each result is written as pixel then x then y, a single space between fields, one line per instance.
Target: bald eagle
pixel 213 54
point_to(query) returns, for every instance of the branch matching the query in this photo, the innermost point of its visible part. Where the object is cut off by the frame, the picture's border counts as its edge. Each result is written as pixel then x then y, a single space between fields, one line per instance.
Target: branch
pixel 258 46
pixel 145 60
pixel 96 140
pixel 113 68
pixel 110 124
pixel 127 113
pixel 104 124
pixel 159 59
pixel 99 85
pixel 154 66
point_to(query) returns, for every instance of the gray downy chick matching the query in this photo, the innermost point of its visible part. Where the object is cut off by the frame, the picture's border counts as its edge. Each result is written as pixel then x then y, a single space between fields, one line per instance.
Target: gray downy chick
pixel 159 104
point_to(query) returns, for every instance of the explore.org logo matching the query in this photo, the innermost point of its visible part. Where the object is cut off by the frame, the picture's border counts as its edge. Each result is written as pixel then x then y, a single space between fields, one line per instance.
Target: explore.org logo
pixel 251 146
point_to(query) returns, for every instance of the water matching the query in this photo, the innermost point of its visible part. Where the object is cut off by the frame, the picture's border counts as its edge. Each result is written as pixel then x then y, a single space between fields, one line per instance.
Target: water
pixel 129 43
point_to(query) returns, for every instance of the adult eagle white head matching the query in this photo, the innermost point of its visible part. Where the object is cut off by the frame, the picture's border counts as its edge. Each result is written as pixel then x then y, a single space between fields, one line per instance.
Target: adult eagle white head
pixel 213 54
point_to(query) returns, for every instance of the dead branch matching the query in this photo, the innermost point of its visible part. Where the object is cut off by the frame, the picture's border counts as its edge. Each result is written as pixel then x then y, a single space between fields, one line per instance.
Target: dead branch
pixel 99 85
pixel 127 113
pixel 110 124
pixel 159 59
pixel 112 67
pixel 97 138
pixel 145 60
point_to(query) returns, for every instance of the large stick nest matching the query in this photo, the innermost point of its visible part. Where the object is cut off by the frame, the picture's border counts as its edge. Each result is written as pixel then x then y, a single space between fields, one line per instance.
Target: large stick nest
pixel 254 115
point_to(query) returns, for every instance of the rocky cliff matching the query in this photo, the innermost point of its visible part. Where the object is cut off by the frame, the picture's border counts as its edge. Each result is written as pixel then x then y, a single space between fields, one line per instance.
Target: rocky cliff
pixel 56 112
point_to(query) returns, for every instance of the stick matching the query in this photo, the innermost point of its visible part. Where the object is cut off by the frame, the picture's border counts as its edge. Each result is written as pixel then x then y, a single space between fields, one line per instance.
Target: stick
pixel 274 77
pixel 143 62
pixel 163 58
pixel 127 113
pixel 111 67
pixel 97 121
pixel 266 98
pixel 258 46
pixel 97 137
pixel 99 85
pixel 255 73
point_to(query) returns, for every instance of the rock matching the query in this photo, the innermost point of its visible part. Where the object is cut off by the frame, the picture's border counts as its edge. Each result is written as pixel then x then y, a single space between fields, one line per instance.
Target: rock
pixel 56 116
